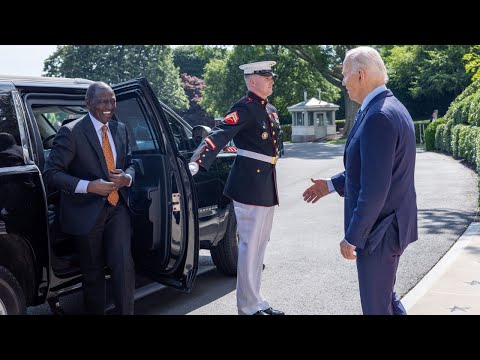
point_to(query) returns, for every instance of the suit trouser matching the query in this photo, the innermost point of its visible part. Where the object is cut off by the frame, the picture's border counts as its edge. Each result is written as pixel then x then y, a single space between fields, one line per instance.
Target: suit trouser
pixel 377 274
pixel 254 227
pixel 108 243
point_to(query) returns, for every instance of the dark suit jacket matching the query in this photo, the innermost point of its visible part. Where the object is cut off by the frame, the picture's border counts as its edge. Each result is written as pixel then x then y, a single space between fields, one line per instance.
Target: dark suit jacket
pixel 378 181
pixel 77 155
pixel 252 123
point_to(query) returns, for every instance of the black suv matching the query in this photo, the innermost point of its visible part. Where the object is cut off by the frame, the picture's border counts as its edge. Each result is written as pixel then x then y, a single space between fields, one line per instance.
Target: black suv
pixel 174 215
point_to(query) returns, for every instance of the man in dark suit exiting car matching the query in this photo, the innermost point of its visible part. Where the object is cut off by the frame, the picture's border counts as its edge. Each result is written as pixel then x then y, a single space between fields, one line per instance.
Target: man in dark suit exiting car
pixel 90 163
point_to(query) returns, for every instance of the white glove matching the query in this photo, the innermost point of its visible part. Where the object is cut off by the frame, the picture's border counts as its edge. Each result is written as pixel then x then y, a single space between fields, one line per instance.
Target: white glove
pixel 193 166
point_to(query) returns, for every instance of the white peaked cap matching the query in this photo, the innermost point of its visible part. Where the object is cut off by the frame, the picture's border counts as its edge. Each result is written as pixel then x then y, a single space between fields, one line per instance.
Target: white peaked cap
pixel 259 68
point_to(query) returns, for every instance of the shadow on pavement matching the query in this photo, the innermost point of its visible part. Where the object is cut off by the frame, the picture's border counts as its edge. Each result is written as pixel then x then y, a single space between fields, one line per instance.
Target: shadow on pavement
pixel 208 287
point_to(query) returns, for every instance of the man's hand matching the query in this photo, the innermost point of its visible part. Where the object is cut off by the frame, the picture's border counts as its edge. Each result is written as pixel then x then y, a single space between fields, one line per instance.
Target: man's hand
pixel 118 177
pixel 315 192
pixel 347 250
pixel 101 187
pixel 193 166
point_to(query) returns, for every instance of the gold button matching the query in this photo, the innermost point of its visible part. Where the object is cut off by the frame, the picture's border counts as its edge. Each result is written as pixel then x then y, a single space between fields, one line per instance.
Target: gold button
pixel 263 102
pixel 273 133
pixel 203 155
pixel 206 150
pixel 199 161
pixel 274 141
pixel 258 170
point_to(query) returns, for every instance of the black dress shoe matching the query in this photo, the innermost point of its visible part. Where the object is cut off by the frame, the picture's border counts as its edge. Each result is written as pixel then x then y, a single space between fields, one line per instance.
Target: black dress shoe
pixel 260 312
pixel 271 311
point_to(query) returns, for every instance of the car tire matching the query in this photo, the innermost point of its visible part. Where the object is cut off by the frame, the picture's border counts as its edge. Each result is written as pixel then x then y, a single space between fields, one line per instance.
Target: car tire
pixel 12 298
pixel 225 253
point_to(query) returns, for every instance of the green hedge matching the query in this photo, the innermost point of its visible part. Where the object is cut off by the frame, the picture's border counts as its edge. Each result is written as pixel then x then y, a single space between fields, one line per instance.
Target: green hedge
pixel 464 142
pixel 460 134
pixel 443 137
pixel 430 133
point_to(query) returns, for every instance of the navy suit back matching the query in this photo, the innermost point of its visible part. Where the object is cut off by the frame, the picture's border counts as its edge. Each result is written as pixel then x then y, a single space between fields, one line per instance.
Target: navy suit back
pixel 379 174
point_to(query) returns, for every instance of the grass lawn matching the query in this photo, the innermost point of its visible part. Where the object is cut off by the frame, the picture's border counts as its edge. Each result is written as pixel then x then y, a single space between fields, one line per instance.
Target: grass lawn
pixel 337 141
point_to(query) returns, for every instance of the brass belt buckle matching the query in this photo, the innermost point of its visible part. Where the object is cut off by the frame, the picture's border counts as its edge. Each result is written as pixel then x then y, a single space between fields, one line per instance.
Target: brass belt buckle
pixel 274 160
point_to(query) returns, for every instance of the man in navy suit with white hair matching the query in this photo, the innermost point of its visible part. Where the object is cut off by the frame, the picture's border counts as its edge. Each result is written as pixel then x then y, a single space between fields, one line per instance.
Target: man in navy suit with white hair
pixel 377 184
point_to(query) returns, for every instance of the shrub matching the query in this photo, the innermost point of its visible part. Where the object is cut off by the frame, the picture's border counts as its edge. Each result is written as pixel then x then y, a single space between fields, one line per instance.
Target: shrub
pixel 430 134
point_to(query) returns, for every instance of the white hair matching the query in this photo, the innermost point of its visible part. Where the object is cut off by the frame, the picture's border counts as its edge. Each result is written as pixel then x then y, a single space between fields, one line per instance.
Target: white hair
pixel 368 59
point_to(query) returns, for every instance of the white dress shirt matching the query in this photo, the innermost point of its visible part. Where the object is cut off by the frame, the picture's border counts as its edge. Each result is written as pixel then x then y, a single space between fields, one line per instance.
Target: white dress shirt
pixel 83 184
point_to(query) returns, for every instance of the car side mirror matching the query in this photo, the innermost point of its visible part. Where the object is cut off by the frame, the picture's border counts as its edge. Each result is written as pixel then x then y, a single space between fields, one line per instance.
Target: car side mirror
pixel 199 133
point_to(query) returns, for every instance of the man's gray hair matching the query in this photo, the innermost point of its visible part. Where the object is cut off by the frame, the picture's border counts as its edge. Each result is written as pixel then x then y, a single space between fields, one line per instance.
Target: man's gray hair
pixel 92 89
pixel 368 59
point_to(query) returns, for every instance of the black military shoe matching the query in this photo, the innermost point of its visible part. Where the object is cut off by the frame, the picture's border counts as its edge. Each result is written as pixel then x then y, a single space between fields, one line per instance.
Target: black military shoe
pixel 271 311
pixel 260 312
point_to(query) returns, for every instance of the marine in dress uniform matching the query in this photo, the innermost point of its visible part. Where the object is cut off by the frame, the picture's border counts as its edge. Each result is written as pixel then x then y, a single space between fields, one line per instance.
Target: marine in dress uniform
pixel 253 123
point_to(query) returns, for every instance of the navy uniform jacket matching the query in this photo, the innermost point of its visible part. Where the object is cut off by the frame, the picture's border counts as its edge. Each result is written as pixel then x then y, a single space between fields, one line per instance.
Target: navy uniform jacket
pixel 253 124
pixel 378 181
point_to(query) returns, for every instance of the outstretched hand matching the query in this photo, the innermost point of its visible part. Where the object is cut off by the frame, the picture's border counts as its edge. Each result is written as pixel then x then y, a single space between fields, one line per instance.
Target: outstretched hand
pixel 315 192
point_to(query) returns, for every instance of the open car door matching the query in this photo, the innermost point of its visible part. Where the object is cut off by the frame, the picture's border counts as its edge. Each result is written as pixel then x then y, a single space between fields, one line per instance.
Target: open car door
pixel 165 239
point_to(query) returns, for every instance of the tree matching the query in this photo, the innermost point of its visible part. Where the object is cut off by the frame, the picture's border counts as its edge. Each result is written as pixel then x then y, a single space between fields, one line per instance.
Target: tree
pixel 117 63
pixel 327 61
pixel 225 83
pixel 195 115
pixel 427 77
pixel 214 94
pixel 189 61
pixel 472 60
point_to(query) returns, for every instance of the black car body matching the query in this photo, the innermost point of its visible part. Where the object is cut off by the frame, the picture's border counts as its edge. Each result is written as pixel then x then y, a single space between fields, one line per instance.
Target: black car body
pixel 173 217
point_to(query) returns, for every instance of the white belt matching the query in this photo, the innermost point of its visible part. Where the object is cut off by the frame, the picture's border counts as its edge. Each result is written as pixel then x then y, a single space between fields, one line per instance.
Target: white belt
pixel 257 156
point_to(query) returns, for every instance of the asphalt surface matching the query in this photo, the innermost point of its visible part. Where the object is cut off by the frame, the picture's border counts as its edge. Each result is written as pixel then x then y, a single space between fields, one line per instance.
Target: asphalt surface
pixel 305 273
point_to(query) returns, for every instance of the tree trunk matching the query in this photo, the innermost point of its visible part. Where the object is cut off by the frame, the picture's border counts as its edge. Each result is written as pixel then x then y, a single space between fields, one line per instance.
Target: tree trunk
pixel 351 109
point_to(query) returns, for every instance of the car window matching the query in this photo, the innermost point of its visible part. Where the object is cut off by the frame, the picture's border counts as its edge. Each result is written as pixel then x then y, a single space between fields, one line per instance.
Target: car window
pixel 8 117
pixel 50 118
pixel 11 152
pixel 179 133
pixel 130 112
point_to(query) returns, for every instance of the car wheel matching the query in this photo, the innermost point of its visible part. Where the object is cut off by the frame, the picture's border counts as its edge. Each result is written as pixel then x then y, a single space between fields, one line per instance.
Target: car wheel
pixel 12 299
pixel 225 253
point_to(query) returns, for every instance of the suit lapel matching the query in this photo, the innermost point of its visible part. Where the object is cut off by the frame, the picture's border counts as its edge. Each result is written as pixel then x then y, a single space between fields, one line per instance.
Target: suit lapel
pixel 92 137
pixel 364 113
pixel 357 124
pixel 117 139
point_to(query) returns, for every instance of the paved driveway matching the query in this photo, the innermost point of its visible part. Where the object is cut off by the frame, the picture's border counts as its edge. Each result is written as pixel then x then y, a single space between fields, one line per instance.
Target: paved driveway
pixel 305 273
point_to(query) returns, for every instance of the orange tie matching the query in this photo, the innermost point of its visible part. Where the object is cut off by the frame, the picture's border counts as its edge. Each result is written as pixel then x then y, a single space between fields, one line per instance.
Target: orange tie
pixel 107 152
